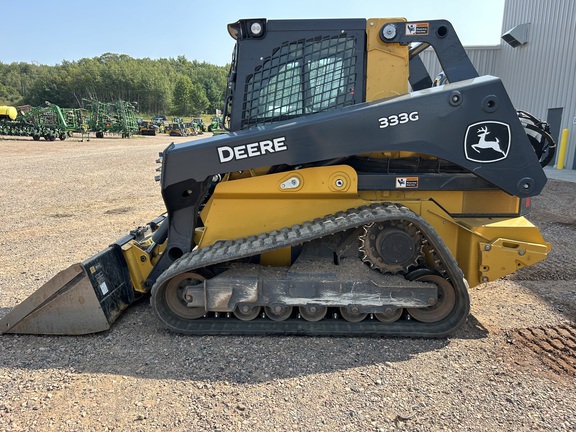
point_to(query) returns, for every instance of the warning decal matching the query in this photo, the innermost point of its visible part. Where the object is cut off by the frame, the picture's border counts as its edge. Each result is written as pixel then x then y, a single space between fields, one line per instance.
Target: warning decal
pixel 417 29
pixel 406 182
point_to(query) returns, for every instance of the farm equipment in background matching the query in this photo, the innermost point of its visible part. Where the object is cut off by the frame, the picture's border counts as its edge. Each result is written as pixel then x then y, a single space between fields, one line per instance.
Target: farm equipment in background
pixel 75 119
pixel 48 122
pixel 51 122
pixel 297 223
pixel 37 122
pixel 152 127
pixel 126 118
pixel 179 128
pixel 8 123
pixel 116 117
pixel 199 125
pixel 146 127
pixel 8 113
pixel 216 126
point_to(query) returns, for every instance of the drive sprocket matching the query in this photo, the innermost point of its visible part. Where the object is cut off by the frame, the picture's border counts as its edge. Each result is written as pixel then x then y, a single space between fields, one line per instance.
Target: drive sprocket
pixel 391 246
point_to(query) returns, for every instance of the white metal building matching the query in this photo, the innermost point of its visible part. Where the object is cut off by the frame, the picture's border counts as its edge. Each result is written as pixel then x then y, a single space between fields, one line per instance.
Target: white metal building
pixel 536 61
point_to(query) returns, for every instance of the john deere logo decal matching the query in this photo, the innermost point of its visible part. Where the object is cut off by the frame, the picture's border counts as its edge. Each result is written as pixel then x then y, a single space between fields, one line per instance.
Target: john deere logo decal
pixel 487 142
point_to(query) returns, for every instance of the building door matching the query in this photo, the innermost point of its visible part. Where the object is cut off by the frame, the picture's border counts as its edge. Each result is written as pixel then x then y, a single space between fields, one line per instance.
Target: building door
pixel 554 119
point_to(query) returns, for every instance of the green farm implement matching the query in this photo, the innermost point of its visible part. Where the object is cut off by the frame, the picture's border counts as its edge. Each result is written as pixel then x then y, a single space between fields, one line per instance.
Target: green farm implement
pixel 116 117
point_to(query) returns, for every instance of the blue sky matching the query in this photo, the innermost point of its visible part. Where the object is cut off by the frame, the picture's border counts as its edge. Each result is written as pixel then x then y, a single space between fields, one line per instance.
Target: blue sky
pixel 47 32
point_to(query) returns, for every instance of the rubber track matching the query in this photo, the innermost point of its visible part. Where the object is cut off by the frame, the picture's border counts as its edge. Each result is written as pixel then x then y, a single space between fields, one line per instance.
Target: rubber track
pixel 224 251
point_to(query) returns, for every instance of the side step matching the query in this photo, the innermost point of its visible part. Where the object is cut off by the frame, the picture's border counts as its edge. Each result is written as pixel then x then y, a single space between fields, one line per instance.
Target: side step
pixel 85 298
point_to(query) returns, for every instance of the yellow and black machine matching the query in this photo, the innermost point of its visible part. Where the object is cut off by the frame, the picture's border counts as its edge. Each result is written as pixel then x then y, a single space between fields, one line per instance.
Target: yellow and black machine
pixel 152 127
pixel 351 196
pixel 178 128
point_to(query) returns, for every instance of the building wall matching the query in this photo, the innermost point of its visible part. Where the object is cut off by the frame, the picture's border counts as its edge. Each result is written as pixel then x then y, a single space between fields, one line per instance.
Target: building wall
pixel 541 74
pixel 484 59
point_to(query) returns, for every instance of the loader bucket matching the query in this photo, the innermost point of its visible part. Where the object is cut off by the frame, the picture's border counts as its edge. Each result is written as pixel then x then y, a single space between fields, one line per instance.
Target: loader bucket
pixel 85 298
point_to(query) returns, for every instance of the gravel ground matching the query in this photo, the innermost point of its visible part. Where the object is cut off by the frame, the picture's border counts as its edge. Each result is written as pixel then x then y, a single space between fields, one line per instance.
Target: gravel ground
pixel 510 367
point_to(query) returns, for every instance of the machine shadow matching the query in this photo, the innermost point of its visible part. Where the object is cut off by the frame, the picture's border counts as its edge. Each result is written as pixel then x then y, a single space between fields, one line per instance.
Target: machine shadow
pixel 234 359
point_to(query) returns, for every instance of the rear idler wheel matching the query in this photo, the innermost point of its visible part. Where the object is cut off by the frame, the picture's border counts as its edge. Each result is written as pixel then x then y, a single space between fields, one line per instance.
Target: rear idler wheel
pixel 446 297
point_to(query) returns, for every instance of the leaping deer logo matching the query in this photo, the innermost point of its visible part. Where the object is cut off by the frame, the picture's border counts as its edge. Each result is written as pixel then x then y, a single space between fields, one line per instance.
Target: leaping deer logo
pixel 485 144
pixel 487 141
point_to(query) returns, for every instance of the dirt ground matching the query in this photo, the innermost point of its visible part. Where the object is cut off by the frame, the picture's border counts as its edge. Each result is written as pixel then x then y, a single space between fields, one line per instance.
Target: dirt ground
pixel 512 366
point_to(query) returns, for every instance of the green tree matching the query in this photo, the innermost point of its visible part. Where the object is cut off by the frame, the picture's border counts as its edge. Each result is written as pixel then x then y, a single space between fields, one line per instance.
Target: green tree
pixel 213 79
pixel 183 90
pixel 179 86
pixel 9 95
pixel 198 100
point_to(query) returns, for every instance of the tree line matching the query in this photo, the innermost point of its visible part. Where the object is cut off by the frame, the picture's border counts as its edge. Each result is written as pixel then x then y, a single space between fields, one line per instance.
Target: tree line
pixel 171 86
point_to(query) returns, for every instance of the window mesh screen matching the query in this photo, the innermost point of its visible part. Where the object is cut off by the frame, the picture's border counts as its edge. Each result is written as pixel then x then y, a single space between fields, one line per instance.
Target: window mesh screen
pixel 299 78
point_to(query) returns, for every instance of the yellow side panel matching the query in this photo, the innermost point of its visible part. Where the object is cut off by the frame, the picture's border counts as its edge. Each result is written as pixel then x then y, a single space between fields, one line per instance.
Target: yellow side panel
pixel 454 202
pixel 260 204
pixel 278 257
pixel 489 202
pixel 491 248
pixel 485 248
pixel 387 65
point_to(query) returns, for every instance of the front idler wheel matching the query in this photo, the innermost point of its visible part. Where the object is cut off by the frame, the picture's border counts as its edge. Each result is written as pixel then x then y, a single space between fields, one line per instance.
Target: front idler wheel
pixel 184 290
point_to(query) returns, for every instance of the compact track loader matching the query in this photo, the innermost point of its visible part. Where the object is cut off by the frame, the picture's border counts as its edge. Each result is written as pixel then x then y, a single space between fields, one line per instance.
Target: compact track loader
pixel 350 197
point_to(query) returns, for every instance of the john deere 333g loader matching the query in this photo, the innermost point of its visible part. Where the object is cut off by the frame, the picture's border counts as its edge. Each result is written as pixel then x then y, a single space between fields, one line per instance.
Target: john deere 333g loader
pixel 351 196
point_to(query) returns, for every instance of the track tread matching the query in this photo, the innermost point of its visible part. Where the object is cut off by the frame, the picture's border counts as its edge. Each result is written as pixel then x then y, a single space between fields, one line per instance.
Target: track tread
pixel 224 251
